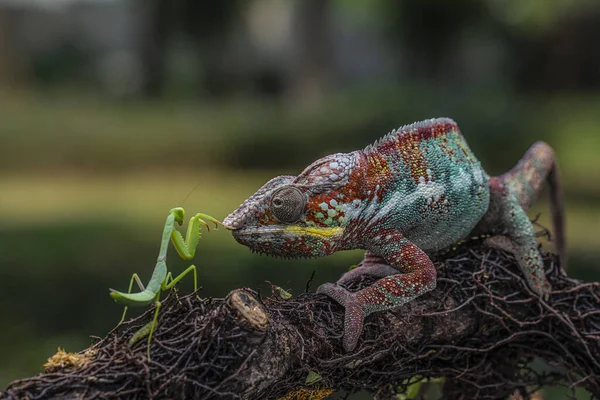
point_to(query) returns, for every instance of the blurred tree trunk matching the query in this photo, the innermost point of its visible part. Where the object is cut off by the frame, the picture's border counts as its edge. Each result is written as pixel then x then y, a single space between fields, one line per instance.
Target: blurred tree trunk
pixel 13 64
pixel 210 25
pixel 206 24
pixel 155 28
pixel 311 74
pixel 564 58
pixel 428 33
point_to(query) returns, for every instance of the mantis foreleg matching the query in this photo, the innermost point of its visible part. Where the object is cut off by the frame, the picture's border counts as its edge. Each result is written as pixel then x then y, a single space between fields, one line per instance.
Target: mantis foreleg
pixel 187 247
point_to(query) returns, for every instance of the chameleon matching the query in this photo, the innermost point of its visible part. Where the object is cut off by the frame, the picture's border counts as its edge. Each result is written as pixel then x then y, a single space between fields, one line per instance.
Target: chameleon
pixel 414 192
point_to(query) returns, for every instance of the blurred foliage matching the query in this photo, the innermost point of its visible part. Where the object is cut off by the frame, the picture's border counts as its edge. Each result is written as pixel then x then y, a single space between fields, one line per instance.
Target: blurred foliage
pixel 108 136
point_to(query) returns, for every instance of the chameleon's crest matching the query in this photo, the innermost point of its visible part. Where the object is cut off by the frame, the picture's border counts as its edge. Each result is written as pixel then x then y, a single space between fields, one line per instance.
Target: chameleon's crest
pixel 327 172
pixel 416 132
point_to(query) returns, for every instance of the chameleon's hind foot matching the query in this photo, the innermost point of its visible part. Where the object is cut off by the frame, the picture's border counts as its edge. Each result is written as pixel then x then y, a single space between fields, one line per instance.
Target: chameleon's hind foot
pixel 529 259
pixel 354 314
pixel 512 231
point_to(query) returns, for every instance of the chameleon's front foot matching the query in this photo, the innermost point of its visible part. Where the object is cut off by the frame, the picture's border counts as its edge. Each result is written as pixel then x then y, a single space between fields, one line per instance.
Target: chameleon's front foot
pixel 354 314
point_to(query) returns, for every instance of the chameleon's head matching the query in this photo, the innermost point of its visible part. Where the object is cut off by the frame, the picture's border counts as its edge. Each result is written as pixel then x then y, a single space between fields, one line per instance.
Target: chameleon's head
pixel 302 216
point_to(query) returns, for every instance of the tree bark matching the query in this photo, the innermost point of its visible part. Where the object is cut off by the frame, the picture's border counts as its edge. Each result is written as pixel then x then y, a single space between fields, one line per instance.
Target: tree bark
pixel 481 329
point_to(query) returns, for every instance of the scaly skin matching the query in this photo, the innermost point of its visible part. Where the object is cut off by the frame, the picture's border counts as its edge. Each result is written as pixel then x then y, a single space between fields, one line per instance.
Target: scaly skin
pixel 416 191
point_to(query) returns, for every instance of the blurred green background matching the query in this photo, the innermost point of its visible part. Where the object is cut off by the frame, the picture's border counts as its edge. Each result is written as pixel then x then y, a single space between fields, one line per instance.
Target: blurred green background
pixel 112 112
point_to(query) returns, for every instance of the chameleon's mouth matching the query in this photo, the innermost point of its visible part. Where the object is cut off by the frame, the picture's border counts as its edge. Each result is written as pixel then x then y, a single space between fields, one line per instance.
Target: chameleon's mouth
pixel 289 241
pixel 263 240
pixel 289 230
pixel 263 231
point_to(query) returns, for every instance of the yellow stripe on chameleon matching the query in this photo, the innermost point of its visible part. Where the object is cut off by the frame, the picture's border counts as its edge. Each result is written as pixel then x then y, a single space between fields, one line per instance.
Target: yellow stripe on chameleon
pixel 313 231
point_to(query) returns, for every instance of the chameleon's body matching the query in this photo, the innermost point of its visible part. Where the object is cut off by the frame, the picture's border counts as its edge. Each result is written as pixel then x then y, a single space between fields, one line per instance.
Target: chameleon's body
pixel 416 191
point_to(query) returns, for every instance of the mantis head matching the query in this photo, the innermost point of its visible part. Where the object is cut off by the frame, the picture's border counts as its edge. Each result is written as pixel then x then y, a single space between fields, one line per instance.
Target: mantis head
pixel 178 214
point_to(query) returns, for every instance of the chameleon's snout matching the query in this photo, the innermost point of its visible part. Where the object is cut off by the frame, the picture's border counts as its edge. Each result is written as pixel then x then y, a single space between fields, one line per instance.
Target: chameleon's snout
pixel 238 219
pixel 229 226
pixel 232 222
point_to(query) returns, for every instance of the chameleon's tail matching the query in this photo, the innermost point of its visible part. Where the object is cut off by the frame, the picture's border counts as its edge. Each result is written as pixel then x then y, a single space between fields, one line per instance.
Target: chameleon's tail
pixel 527 179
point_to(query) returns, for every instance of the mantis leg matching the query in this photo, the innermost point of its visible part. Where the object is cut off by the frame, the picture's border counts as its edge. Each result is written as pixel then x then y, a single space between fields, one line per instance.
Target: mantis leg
pixel 149 328
pixel 174 281
pixel 147 295
pixel 170 281
pixel 135 278
pixel 154 321
pixel 187 247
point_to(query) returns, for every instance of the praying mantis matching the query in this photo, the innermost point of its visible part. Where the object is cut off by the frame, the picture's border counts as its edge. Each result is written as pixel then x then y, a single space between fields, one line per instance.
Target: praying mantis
pixel 161 279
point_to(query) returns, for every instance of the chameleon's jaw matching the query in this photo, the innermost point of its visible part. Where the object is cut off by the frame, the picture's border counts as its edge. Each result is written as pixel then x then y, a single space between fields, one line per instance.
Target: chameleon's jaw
pixel 254 231
pixel 290 241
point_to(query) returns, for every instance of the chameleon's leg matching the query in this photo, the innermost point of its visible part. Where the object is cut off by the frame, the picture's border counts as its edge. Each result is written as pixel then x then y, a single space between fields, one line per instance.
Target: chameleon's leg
pixel 526 180
pixel 371 265
pixel 418 277
pixel 517 235
pixel 135 278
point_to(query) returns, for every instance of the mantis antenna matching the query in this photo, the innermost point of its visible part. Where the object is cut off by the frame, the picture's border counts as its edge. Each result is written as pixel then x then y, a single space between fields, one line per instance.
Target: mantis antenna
pixel 189 194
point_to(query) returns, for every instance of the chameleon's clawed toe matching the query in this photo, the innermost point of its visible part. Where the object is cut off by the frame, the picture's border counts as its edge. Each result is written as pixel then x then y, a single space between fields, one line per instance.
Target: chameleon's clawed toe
pixel 545 290
pixel 354 313
pixel 368 270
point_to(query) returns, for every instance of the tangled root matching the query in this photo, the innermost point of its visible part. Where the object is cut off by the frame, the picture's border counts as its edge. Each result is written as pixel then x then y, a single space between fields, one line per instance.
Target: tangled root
pixel 482 329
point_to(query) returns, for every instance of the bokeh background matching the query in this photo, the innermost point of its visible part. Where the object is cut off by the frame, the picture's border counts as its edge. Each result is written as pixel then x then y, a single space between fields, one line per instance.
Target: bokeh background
pixel 112 112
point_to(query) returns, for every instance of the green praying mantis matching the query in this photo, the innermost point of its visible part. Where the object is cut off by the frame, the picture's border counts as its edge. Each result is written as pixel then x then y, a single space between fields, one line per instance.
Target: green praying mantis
pixel 161 279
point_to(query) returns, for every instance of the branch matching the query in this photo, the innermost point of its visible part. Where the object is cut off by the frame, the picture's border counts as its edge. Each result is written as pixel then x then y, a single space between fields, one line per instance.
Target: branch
pixel 481 329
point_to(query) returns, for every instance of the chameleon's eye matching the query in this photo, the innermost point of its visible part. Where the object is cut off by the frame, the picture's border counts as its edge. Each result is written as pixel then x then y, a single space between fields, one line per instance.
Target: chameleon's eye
pixel 287 204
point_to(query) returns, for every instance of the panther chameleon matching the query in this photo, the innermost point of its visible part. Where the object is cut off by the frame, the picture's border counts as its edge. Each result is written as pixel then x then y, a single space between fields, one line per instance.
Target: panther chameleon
pixel 414 192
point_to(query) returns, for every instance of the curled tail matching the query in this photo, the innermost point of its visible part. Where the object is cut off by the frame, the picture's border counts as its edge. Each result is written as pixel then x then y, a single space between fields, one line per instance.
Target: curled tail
pixel 526 181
